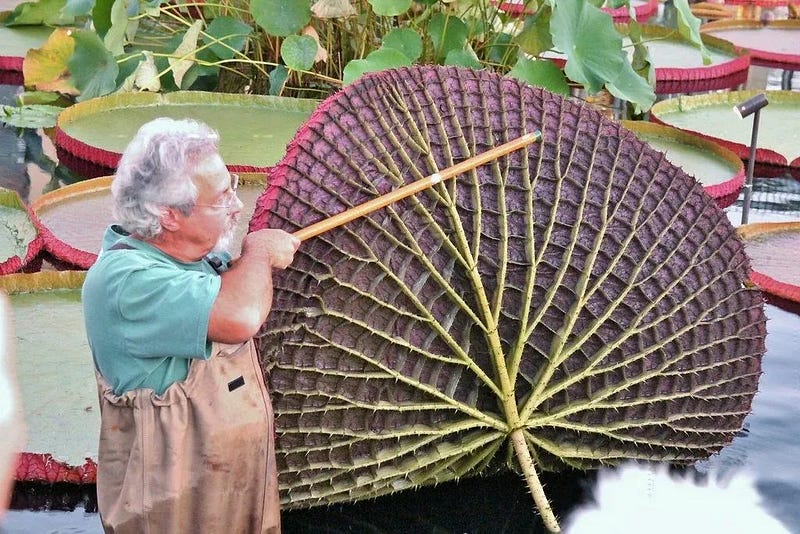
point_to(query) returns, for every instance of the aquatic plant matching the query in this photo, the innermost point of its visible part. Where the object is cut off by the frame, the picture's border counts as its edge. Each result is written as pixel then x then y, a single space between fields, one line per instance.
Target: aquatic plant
pixel 575 304
pixel 310 48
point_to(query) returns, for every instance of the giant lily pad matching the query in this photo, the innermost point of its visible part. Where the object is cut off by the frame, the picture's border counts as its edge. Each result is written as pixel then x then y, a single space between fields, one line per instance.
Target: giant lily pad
pixel 719 170
pixel 254 129
pixel 16 41
pixel 575 303
pixel 56 377
pixel 20 241
pixel 679 64
pixel 712 116
pixel 772 247
pixel 73 218
pixel 770 44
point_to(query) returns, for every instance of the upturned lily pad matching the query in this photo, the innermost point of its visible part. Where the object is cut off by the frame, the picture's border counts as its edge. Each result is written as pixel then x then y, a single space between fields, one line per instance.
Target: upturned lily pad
pixel 712 116
pixel 575 303
pixel 772 247
pixel 770 44
pixel 254 129
pixel 56 377
pixel 73 218
pixel 679 64
pixel 719 170
pixel 20 241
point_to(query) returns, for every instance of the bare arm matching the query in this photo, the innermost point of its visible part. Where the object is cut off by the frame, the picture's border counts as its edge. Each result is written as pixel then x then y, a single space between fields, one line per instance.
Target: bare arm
pixel 245 296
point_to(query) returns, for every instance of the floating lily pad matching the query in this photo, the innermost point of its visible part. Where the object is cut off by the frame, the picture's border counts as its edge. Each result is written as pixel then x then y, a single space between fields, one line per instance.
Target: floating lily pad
pixel 20 240
pixel 679 63
pixel 771 44
pixel 16 41
pixel 254 129
pixel 73 218
pixel 56 377
pixel 772 247
pixel 720 170
pixel 712 116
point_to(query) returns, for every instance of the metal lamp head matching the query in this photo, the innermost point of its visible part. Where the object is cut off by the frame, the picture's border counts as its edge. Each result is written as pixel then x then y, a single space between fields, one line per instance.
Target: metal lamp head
pixel 751 105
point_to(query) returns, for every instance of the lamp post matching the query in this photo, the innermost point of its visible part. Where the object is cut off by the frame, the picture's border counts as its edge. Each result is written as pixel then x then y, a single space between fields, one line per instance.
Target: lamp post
pixel 745 109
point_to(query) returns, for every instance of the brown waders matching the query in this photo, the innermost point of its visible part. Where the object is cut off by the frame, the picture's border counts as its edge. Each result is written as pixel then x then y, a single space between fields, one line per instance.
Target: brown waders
pixel 199 459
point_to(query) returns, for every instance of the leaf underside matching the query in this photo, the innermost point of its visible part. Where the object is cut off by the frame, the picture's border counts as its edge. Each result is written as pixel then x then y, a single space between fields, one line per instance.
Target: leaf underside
pixel 583 289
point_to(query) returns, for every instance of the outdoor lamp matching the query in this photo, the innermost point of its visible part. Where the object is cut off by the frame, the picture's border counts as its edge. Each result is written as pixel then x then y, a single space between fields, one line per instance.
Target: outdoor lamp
pixel 745 109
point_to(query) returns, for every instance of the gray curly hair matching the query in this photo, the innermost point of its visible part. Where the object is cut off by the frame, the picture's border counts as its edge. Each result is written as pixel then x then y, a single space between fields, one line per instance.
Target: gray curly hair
pixel 155 170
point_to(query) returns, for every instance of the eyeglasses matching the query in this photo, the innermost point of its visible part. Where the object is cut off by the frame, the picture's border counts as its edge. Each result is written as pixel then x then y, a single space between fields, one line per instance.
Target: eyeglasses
pixel 230 198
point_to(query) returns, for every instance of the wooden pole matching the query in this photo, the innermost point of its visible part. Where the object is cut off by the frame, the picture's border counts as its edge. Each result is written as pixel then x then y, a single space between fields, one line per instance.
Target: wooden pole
pixel 407 190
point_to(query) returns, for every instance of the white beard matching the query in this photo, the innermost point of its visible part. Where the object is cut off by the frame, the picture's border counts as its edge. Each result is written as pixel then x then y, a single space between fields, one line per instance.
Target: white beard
pixel 223 244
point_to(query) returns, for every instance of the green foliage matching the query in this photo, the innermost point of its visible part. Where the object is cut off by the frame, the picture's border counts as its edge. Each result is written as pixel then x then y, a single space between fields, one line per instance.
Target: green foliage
pixel 406 41
pixel 298 52
pixel 281 17
pixel 94 70
pixel 390 8
pixel 30 116
pixel 310 48
pixel 47 12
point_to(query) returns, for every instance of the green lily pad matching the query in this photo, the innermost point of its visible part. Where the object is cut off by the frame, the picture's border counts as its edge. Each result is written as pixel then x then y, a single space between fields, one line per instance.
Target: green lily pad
pixel 16 41
pixel 720 170
pixel 20 241
pixel 254 129
pixel 679 64
pixel 73 218
pixel 770 246
pixel 712 116
pixel 54 371
pixel 771 44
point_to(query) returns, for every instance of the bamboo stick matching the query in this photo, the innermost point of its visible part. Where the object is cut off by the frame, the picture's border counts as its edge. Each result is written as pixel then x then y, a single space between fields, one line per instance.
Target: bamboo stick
pixel 407 190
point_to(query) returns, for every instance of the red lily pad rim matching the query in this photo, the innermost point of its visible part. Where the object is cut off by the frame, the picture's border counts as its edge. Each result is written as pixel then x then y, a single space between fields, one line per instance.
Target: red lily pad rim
pixel 58 248
pixel 620 14
pixel 759 57
pixel 724 75
pixel 687 103
pixel 761 3
pixel 14 264
pixel 82 259
pixel 768 284
pixel 110 159
pixel 43 467
pixel 724 193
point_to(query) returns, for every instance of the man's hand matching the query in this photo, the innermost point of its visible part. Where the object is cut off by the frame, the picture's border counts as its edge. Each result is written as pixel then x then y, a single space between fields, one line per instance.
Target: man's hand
pixel 245 296
pixel 277 245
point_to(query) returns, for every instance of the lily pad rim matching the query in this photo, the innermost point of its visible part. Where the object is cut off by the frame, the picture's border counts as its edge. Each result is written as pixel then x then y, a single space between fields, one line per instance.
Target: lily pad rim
pixel 765 282
pixel 110 159
pixel 759 56
pixel 721 192
pixel 685 103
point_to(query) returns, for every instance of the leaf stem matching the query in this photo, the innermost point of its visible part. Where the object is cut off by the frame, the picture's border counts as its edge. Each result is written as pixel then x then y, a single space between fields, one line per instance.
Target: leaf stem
pixel 537 490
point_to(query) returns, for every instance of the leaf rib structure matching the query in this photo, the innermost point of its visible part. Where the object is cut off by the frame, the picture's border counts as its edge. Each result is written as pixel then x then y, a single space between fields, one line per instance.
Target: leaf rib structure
pixel 575 303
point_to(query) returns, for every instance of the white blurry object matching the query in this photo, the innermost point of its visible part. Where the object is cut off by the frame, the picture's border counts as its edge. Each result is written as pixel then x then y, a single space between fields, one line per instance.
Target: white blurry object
pixel 11 427
pixel 636 498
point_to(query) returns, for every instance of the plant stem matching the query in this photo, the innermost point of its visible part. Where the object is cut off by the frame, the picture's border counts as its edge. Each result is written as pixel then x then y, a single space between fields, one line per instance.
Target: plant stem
pixel 537 490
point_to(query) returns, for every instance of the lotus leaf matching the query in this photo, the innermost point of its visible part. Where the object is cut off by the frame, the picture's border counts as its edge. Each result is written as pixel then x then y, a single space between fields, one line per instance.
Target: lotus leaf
pixel 576 303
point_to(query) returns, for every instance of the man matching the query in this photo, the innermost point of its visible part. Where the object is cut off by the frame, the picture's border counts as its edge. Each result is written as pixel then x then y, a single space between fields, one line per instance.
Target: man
pixel 186 439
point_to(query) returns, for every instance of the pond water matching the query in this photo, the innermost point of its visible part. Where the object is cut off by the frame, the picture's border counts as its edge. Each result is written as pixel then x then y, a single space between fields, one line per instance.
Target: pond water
pixel 768 446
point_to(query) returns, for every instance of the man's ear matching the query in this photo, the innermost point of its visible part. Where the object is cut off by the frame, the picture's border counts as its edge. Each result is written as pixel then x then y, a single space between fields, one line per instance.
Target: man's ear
pixel 171 219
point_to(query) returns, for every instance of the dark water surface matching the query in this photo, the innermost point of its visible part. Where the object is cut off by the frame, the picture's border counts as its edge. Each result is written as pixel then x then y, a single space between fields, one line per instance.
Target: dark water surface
pixel 768 446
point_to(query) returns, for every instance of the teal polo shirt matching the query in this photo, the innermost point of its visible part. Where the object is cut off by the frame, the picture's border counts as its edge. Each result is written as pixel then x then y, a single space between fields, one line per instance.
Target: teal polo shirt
pixel 146 313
